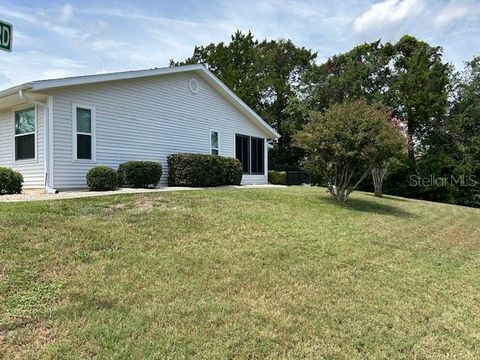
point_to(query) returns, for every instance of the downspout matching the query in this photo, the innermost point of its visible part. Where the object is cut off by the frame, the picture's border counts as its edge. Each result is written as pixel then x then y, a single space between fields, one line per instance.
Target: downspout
pixel 46 140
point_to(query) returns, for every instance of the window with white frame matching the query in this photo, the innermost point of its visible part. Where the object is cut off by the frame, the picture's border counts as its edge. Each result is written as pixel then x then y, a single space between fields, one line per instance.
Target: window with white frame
pixel 214 143
pixel 84 133
pixel 25 134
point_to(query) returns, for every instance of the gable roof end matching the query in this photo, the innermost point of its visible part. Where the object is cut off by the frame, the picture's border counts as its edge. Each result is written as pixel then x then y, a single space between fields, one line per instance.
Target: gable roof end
pixel 199 68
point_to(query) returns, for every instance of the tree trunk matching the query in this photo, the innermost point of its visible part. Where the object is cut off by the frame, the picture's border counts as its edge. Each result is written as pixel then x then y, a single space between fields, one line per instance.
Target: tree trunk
pixel 378 175
pixel 411 149
pixel 342 187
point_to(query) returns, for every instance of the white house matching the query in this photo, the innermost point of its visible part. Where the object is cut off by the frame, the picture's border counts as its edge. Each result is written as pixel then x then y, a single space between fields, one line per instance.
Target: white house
pixel 54 131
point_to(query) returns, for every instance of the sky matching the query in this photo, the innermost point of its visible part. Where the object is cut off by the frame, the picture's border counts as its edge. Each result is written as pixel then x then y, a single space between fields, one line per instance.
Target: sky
pixel 66 38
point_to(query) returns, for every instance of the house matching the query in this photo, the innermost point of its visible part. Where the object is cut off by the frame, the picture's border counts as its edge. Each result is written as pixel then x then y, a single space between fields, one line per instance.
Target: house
pixel 54 131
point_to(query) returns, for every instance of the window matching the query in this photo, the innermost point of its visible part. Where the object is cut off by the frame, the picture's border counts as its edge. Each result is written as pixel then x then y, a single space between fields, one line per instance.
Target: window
pixel 25 133
pixel 257 150
pixel 242 151
pixel 83 133
pixel 214 143
pixel 250 151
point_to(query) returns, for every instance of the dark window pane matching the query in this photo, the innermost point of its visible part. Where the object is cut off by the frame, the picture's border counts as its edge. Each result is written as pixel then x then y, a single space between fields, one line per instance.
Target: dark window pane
pixel 246 154
pixel 84 120
pixel 214 152
pixel 25 147
pixel 84 147
pixel 257 152
pixel 242 151
pixel 25 121
pixel 214 139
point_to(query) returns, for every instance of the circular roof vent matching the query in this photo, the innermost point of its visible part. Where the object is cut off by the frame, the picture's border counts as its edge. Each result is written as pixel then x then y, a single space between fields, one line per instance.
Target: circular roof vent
pixel 194 86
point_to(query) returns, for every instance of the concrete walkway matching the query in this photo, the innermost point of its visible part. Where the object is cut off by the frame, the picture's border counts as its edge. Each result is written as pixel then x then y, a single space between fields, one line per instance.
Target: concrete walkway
pixel 74 194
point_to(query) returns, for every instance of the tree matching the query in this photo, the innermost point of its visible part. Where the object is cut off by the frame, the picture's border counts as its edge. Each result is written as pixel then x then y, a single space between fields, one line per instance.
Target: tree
pixel 418 89
pixel 455 153
pixel 361 73
pixel 347 142
pixel 380 171
pixel 283 66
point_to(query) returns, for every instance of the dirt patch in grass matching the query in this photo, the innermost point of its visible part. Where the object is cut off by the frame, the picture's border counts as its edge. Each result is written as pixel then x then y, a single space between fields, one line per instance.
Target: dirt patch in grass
pixel 144 204
pixel 21 338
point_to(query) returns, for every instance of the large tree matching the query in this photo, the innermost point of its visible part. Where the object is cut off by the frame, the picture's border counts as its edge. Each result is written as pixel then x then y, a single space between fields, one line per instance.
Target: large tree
pixel 283 66
pixel 418 89
pixel 266 75
pixel 361 73
pixel 454 153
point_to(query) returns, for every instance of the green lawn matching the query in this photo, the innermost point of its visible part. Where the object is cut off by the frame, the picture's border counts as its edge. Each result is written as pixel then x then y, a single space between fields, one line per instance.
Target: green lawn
pixel 257 273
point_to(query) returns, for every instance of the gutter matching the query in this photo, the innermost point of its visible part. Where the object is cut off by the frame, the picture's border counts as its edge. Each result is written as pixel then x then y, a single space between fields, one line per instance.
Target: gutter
pixel 14 90
pixel 46 141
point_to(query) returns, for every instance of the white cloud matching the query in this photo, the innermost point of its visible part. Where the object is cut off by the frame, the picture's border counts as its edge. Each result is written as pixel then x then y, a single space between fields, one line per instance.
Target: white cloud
pixel 387 13
pixel 104 45
pixel 66 12
pixel 454 10
pixel 36 65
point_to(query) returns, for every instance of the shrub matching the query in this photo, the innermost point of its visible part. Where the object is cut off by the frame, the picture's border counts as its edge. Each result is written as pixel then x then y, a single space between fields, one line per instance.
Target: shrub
pixel 277 177
pixel 140 174
pixel 102 178
pixel 11 182
pixel 187 169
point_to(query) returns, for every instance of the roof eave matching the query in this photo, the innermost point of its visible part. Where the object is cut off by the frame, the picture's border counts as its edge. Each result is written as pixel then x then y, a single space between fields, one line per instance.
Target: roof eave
pixel 126 75
pixel 15 89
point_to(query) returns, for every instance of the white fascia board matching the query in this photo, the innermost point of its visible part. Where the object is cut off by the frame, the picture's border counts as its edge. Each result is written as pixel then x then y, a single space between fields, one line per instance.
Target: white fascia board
pixel 90 79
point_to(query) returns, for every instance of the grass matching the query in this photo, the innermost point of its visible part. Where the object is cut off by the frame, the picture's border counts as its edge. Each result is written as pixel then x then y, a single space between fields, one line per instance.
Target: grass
pixel 257 273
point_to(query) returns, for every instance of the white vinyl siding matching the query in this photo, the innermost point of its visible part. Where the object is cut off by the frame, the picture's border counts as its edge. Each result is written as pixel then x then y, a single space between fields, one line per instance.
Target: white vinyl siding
pixel 146 119
pixel 31 169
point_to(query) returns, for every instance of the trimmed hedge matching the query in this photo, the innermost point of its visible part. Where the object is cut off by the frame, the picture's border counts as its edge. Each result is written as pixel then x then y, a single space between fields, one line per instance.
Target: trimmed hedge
pixel 277 177
pixel 140 174
pixel 102 178
pixel 11 182
pixel 186 169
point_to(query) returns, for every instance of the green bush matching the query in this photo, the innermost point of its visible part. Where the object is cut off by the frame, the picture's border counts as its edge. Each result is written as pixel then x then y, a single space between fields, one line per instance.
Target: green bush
pixel 277 177
pixel 140 174
pixel 102 178
pixel 11 182
pixel 187 169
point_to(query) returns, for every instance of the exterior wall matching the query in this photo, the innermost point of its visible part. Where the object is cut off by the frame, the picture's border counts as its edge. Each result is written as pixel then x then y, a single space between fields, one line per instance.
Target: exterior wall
pixel 32 170
pixel 146 119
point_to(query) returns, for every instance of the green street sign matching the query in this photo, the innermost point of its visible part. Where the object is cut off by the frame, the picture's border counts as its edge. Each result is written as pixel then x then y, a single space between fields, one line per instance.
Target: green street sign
pixel 6 35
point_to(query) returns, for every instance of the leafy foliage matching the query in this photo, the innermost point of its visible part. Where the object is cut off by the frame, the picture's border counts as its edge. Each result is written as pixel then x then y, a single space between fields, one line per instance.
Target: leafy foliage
pixel 102 178
pixel 346 142
pixel 419 88
pixel 277 177
pixel 186 169
pixel 361 73
pixel 454 153
pixel 11 182
pixel 140 174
